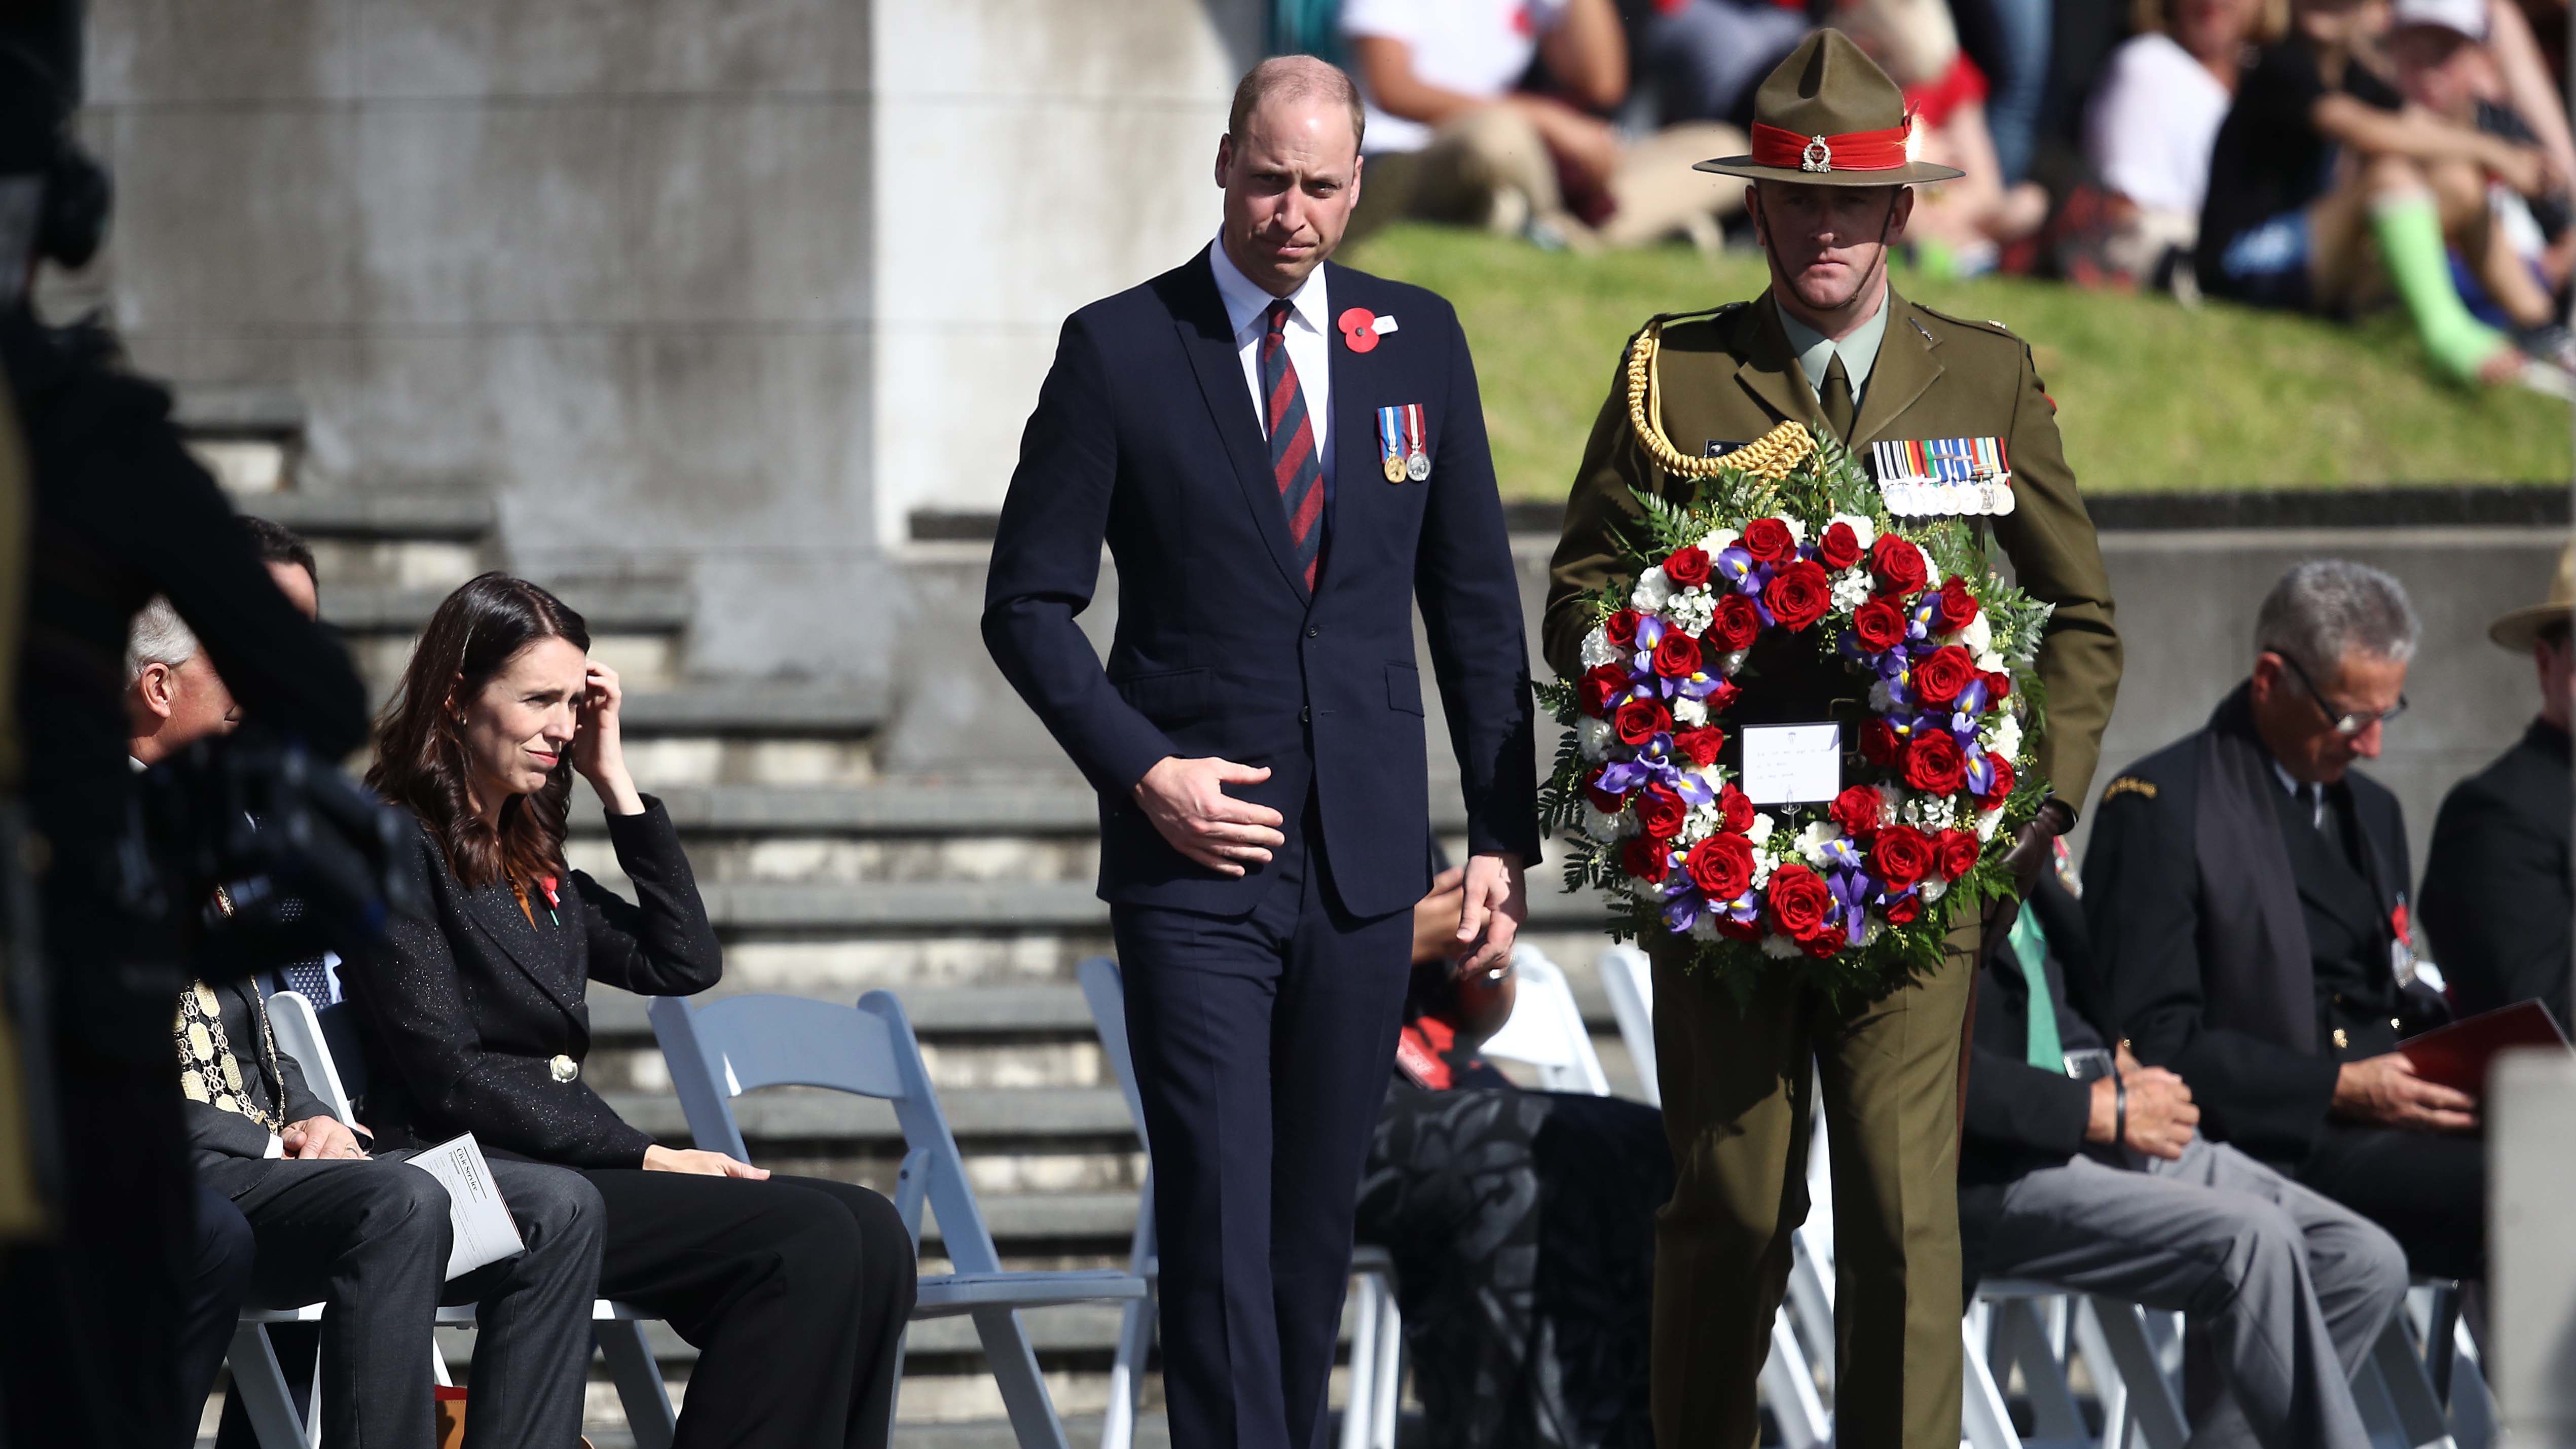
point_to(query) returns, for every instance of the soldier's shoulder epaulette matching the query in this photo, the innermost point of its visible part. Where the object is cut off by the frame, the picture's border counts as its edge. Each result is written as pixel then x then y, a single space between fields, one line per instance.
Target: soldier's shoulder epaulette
pixel 1996 328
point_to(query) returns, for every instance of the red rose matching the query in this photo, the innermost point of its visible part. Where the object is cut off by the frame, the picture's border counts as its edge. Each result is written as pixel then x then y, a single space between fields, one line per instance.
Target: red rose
pixel 1701 744
pixel 1904 909
pixel 1722 698
pixel 1940 676
pixel 1798 594
pixel 1958 606
pixel 1660 813
pixel 1901 855
pixel 1998 688
pixel 1647 860
pixel 1621 627
pixel 1879 625
pixel 1897 563
pixel 1839 548
pixel 1735 930
pixel 2002 788
pixel 1879 744
pixel 1734 809
pixel 1721 866
pixel 1676 655
pixel 1601 684
pixel 1640 720
pixel 1769 541
pixel 1932 763
pixel 1798 900
pixel 1958 851
pixel 1602 800
pixel 1855 810
pixel 1688 567
pixel 1821 942
pixel 1736 625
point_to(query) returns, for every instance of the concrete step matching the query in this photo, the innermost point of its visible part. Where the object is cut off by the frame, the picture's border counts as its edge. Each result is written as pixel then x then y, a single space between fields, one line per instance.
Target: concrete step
pixel 640 607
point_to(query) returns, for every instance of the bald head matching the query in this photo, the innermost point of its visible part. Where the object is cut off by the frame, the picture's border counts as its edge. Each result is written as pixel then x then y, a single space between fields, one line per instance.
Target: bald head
pixel 1290 78
pixel 1290 166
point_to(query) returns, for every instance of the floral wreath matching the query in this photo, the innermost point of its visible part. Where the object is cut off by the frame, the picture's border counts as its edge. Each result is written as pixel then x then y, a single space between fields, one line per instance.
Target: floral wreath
pixel 1788 547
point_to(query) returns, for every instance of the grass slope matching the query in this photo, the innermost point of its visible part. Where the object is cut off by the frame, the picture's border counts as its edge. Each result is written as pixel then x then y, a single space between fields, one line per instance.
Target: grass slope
pixel 2150 396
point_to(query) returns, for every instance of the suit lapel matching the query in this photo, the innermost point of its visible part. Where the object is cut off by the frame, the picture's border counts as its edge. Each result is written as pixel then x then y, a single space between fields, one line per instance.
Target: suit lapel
pixel 1358 391
pixel 1770 370
pixel 1905 369
pixel 1208 338
pixel 495 912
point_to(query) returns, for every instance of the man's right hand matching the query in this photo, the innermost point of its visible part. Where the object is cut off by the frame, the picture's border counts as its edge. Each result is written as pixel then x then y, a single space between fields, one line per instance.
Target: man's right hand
pixel 1187 802
pixel 2161 1116
pixel 2385 1091
pixel 658 1158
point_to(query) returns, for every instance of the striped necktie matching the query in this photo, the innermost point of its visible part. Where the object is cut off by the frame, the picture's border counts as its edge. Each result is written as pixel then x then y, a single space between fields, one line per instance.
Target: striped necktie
pixel 1293 463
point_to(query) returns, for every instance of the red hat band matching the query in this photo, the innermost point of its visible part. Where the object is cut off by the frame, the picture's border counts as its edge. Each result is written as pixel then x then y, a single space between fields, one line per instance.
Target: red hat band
pixel 1850 151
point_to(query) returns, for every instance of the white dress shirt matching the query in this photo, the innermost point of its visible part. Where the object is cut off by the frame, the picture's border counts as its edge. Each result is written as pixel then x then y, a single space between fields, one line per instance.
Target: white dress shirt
pixel 1309 336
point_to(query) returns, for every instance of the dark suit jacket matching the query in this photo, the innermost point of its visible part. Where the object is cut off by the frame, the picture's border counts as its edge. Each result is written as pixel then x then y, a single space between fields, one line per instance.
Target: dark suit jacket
pixel 2496 894
pixel 1145 436
pixel 2201 940
pixel 214 1132
pixel 472 1001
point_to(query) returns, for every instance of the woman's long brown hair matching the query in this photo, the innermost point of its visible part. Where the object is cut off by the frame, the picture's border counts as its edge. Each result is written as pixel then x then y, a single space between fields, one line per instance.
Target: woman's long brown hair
pixel 420 748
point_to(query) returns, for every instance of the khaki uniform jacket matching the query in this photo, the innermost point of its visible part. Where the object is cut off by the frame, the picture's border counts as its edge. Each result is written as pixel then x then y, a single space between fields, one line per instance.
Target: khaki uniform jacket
pixel 1730 377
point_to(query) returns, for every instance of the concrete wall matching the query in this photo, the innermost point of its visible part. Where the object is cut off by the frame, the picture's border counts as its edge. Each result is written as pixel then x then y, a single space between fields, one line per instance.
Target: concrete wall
pixel 700 291
pixel 2186 612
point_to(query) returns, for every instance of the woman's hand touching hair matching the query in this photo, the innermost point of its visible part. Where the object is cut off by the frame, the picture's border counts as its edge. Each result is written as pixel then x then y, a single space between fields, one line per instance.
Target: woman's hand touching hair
pixel 599 750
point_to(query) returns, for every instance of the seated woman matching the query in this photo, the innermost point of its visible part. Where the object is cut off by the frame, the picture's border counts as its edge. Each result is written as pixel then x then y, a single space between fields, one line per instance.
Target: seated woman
pixel 794 1290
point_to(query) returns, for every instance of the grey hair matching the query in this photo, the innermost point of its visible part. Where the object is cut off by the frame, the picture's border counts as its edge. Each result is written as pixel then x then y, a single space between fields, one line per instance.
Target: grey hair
pixel 1296 78
pixel 157 637
pixel 2327 608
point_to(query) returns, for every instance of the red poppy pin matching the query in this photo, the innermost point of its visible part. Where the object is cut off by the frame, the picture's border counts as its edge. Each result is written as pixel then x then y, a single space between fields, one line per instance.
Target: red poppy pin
pixel 1361 328
pixel 2397 922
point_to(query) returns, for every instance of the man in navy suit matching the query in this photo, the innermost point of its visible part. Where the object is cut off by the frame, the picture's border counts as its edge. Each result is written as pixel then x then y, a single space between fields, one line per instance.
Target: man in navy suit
pixel 1283 457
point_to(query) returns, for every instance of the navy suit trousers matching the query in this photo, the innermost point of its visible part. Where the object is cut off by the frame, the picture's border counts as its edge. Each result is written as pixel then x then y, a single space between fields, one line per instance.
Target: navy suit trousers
pixel 1263 1047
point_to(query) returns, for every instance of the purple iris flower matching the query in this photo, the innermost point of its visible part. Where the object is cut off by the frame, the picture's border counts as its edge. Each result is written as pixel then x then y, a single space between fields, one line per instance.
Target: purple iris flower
pixel 1981 772
pixel 1681 913
pixel 1736 567
pixel 1972 700
pixel 1893 663
pixel 1621 776
pixel 1851 892
pixel 1698 686
pixel 1693 790
pixel 1650 632
pixel 1840 852
pixel 1742 910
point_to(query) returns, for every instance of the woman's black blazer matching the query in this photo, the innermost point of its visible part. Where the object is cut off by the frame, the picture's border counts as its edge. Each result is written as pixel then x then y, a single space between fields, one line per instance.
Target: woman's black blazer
pixel 469 1006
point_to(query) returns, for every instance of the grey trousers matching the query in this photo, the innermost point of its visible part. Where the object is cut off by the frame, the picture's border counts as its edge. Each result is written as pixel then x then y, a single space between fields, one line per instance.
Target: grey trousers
pixel 2288 1286
pixel 369 1241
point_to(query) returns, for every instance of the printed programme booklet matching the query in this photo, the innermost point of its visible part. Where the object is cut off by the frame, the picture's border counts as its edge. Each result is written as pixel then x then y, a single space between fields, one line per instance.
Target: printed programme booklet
pixel 479 1221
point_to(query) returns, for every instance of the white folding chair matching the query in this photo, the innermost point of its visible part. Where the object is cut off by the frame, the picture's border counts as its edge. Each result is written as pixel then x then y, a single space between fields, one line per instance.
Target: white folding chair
pixel 1630 981
pixel 718 1051
pixel 256 1376
pixel 1546 1029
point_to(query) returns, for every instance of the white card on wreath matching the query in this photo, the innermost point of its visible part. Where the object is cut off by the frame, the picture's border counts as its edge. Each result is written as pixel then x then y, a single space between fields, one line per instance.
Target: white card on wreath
pixel 1792 764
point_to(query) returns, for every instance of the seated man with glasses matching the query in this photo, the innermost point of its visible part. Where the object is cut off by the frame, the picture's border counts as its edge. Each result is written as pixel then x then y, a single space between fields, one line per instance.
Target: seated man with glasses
pixel 2246 893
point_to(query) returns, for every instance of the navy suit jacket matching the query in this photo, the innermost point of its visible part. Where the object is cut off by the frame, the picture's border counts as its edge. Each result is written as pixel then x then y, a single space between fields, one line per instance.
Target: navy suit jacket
pixel 1145 436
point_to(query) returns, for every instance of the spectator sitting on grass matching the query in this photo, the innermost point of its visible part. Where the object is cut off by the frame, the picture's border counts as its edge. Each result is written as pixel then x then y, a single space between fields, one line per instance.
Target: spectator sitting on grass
pixel 2151 123
pixel 1448 138
pixel 2326 188
pixel 2445 66
pixel 1958 227
pixel 1700 60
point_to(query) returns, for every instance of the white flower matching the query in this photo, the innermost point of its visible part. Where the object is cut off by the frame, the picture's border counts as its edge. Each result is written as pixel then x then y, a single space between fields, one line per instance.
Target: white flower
pixel 1651 591
pixel 1797 530
pixel 1719 541
pixel 1932 889
pixel 1987 820
pixel 1649 891
pixel 1813 840
pixel 1932 812
pixel 1779 948
pixel 1690 610
pixel 1593 737
pixel 1878 700
pixel 1761 872
pixel 1705 928
pixel 1731 661
pixel 1863 531
pixel 1598 650
pixel 2005 737
pixel 1978 637
pixel 1851 590
pixel 1760 830
pixel 1990 662
pixel 1698 825
pixel 1891 801
pixel 1689 712
pixel 1607 828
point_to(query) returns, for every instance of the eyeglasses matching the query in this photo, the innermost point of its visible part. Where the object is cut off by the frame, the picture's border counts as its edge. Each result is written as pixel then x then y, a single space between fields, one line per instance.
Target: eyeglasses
pixel 2346 725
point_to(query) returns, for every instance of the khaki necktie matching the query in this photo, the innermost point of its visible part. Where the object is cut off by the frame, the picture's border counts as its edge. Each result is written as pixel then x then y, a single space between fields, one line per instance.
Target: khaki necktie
pixel 1837 398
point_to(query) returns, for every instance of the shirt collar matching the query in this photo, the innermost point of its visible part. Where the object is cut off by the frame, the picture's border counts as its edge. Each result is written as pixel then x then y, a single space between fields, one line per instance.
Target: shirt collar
pixel 1815 351
pixel 1245 302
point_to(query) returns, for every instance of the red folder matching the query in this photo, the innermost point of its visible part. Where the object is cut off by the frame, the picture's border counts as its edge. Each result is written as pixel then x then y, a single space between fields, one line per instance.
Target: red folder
pixel 2459 1055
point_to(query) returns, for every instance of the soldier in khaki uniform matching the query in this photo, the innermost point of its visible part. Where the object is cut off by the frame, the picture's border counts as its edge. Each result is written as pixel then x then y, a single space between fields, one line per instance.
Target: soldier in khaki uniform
pixel 1832 347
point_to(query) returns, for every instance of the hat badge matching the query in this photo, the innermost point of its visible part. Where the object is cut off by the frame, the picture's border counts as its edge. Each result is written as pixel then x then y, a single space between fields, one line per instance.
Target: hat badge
pixel 1819 155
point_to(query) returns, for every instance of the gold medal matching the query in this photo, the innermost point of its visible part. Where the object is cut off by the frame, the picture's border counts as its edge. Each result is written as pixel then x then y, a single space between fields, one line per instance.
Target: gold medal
pixel 1394 468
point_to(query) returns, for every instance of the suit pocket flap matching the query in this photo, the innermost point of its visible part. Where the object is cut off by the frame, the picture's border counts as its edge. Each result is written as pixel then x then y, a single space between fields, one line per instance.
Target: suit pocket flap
pixel 1176 694
pixel 1404 688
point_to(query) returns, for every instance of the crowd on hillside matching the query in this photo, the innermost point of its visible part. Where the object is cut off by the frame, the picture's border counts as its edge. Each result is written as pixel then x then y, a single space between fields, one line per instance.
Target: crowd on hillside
pixel 2319 156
